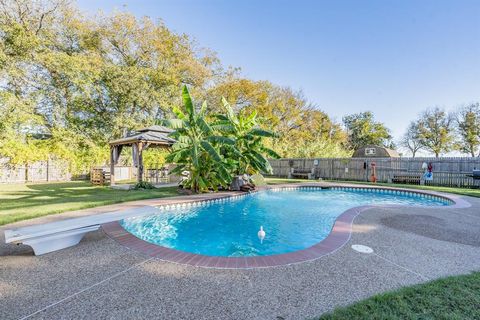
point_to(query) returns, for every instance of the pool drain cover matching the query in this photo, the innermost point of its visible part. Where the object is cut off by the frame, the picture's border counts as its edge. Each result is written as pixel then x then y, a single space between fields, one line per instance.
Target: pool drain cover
pixel 361 248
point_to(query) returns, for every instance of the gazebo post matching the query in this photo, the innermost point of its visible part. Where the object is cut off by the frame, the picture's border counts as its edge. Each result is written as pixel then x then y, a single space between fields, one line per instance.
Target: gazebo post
pixel 112 166
pixel 140 162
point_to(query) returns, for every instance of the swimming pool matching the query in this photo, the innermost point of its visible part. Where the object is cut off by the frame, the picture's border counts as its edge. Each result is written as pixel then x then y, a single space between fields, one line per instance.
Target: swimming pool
pixel 293 219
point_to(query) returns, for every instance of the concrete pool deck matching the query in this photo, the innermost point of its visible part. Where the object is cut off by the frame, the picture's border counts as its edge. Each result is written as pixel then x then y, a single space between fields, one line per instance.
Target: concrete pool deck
pixel 101 279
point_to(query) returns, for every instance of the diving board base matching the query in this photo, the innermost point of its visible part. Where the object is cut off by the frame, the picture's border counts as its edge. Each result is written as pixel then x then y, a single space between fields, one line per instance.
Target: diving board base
pixel 57 241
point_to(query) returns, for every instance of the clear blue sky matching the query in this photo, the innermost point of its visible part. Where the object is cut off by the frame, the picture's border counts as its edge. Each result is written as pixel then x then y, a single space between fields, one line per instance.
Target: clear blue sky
pixel 394 58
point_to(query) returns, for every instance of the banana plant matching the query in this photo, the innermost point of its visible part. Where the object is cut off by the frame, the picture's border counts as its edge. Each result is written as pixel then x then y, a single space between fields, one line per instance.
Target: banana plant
pixel 197 148
pixel 248 150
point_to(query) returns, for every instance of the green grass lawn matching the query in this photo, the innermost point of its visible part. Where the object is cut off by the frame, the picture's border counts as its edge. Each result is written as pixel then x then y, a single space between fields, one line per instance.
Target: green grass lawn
pixel 448 298
pixel 282 180
pixel 461 191
pixel 26 201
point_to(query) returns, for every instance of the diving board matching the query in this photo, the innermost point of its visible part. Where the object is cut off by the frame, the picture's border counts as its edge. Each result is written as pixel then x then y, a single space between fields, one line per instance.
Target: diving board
pixel 53 236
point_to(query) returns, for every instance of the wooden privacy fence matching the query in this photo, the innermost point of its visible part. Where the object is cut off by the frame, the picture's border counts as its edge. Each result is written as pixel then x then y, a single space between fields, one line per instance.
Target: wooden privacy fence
pixel 451 172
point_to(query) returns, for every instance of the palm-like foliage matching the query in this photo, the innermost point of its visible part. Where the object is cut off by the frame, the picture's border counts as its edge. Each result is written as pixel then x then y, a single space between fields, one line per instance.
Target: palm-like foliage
pixel 213 153
pixel 248 150
pixel 196 149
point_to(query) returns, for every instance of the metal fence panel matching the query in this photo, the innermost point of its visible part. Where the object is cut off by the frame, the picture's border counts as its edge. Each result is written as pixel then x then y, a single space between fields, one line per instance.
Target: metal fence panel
pixel 41 171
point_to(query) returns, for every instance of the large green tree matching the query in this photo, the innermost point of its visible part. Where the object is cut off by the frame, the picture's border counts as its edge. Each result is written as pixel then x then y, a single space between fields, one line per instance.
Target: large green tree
pixel 436 131
pixel 362 130
pixel 85 80
pixel 303 129
pixel 411 140
pixel 468 126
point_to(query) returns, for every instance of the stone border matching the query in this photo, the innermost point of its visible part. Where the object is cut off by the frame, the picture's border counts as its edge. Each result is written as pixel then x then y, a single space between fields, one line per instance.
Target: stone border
pixel 338 237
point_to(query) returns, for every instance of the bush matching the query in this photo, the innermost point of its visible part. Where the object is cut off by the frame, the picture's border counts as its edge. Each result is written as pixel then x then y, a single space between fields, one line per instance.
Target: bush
pixel 143 185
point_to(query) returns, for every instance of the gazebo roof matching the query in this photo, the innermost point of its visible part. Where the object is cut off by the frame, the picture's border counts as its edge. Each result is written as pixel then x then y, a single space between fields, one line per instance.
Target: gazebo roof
pixel 154 134
pixel 156 128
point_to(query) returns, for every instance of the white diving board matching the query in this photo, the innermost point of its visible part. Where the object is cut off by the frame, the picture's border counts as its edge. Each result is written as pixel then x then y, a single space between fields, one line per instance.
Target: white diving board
pixel 53 236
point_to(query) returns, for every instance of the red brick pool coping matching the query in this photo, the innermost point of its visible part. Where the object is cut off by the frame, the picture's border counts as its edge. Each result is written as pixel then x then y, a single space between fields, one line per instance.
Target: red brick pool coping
pixel 338 237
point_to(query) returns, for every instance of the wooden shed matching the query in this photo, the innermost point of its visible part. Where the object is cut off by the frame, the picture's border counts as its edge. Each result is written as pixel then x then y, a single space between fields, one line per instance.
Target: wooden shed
pixel 372 151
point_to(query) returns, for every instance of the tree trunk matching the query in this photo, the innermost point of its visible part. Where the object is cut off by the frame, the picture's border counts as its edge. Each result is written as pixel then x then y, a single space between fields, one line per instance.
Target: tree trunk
pixel 195 186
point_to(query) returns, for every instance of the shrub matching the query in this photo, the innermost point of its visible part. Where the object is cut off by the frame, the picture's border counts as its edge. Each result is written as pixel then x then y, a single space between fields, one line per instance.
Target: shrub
pixel 143 185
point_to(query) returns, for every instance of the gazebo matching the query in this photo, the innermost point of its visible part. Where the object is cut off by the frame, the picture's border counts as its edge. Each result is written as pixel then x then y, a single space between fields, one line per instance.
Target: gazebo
pixel 154 136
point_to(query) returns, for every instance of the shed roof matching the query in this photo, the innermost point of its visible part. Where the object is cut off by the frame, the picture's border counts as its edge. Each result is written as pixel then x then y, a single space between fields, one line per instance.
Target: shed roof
pixel 380 152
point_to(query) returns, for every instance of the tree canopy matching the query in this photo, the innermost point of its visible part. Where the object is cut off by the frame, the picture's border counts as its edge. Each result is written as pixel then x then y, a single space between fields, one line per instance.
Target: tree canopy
pixel 468 126
pixel 71 82
pixel 362 130
pixel 435 130
pixel 411 139
pixel 303 129
pixel 83 81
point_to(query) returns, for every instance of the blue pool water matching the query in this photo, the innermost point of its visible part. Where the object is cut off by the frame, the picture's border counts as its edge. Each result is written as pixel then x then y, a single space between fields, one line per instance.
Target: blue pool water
pixel 292 220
